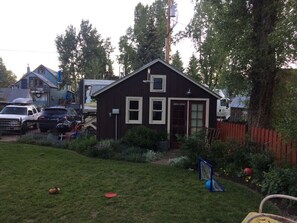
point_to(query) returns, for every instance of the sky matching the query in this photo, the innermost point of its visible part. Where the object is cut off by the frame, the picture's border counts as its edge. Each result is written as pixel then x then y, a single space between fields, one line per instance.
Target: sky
pixel 29 28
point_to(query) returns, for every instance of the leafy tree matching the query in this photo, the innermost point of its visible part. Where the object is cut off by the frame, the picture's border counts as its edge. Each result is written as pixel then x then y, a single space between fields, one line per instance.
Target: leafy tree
pixel 6 76
pixel 68 55
pixel 177 61
pixel 204 32
pixel 284 107
pixel 84 54
pixel 251 41
pixel 193 69
pixel 128 52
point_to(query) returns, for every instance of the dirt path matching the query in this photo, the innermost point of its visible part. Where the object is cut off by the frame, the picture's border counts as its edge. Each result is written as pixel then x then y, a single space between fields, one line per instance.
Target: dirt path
pixel 9 138
pixel 168 156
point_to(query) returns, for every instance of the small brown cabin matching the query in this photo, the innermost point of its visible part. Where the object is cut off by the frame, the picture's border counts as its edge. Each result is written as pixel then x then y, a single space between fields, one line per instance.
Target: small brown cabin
pixel 157 96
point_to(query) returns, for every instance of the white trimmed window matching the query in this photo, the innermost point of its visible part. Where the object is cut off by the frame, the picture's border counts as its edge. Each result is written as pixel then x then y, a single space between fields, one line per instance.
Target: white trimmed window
pixel 133 110
pixel 197 118
pixel 158 83
pixel 157 110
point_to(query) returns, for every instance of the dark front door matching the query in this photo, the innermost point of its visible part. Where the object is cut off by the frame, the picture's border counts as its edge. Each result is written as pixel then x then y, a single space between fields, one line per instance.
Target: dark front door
pixel 178 125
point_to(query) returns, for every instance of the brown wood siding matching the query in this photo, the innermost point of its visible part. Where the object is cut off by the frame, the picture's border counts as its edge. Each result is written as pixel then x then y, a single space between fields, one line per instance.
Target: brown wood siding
pixel 176 86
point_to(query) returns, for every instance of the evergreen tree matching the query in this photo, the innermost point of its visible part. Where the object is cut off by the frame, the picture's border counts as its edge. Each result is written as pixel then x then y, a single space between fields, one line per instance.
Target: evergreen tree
pixel 177 61
pixel 193 69
pixel 145 41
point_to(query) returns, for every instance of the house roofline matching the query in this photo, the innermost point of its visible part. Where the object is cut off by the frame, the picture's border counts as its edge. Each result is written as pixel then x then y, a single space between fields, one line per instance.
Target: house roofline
pixel 51 85
pixel 147 66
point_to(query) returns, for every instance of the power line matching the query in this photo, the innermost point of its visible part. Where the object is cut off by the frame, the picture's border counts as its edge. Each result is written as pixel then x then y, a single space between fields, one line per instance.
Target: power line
pixel 26 51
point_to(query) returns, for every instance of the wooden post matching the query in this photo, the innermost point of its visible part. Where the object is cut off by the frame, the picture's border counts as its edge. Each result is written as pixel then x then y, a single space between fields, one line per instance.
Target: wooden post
pixel 168 36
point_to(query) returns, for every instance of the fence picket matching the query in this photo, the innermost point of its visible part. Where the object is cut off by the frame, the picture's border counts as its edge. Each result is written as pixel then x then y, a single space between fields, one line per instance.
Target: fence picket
pixel 267 138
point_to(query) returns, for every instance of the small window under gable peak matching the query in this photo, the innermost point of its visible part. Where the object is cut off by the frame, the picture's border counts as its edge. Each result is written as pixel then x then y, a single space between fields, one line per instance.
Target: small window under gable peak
pixel 158 83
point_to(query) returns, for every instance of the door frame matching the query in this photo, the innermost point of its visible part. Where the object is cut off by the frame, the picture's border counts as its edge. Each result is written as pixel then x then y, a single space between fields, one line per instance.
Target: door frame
pixel 187 100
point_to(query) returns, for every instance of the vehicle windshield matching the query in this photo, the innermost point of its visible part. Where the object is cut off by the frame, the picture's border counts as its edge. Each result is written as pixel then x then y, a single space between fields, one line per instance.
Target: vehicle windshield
pixel 14 111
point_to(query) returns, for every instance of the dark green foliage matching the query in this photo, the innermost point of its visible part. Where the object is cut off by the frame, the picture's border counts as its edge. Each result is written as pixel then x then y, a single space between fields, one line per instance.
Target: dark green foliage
pixel 218 154
pixel 43 140
pixel 144 41
pixel 177 61
pixel 83 54
pixel 141 137
pixel 193 69
pixel 195 146
pixel 284 107
pixel 103 149
pixel 83 145
pixel 280 181
pixel 242 44
pixel 6 76
pixel 261 162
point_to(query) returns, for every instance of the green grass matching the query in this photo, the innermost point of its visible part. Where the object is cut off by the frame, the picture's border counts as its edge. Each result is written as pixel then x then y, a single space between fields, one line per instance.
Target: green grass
pixel 147 192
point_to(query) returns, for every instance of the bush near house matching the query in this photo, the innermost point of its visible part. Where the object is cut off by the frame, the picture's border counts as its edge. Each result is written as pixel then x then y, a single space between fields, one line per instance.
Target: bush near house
pixel 141 137
pixel 139 145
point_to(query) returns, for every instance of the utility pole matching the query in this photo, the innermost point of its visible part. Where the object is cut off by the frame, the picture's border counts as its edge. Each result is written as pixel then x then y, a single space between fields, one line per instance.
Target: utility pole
pixel 168 36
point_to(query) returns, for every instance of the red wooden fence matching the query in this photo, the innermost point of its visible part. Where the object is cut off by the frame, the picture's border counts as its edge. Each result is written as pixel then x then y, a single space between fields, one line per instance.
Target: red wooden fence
pixel 283 151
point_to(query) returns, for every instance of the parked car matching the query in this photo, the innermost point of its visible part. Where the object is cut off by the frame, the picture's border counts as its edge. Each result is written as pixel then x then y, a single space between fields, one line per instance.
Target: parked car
pixel 18 118
pixel 52 116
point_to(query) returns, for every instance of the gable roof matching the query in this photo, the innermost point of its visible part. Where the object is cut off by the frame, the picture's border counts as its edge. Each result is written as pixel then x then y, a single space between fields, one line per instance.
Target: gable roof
pixel 41 77
pixel 52 72
pixel 147 66
pixel 49 83
pixel 240 102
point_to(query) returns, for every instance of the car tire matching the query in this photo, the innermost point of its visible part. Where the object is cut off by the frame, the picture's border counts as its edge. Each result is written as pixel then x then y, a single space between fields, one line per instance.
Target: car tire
pixel 24 128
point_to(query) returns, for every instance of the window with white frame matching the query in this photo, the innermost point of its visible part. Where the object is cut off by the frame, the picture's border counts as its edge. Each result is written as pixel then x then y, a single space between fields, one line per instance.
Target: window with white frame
pixel 133 110
pixel 197 117
pixel 158 83
pixel 157 110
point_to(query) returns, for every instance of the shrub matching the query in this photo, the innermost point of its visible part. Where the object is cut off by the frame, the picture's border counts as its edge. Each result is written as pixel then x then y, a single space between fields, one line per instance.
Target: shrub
pixel 195 146
pixel 218 154
pixel 141 137
pixel 280 180
pixel 240 155
pixel 181 162
pixel 231 157
pixel 43 140
pixel 83 145
pixel 261 162
pixel 151 155
pixel 103 149
pixel 133 154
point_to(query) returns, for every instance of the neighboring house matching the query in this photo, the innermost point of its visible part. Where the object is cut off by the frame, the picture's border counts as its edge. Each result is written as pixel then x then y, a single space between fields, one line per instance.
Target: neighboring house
pixel 239 109
pixel 44 88
pixel 157 96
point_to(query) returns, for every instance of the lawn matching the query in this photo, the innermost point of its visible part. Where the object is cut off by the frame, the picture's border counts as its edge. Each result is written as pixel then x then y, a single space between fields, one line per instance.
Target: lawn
pixel 146 192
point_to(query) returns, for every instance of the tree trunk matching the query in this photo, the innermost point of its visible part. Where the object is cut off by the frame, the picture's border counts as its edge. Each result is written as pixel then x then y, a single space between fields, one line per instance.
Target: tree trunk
pixel 263 68
pixel 261 102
